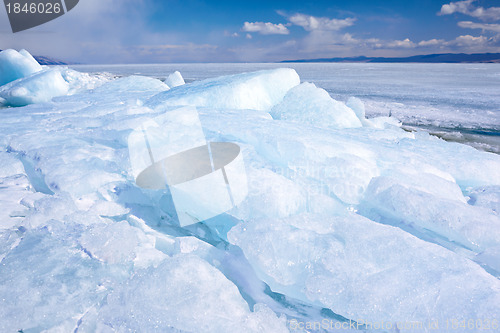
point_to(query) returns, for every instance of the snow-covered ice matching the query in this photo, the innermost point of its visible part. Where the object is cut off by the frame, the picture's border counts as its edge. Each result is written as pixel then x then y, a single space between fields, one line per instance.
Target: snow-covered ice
pixel 346 218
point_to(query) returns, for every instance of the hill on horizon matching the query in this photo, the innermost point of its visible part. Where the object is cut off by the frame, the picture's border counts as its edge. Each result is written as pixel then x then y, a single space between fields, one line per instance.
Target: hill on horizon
pixel 427 58
pixel 42 60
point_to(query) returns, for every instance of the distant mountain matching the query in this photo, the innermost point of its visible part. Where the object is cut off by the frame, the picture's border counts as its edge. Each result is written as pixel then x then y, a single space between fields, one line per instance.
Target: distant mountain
pixel 428 58
pixel 48 61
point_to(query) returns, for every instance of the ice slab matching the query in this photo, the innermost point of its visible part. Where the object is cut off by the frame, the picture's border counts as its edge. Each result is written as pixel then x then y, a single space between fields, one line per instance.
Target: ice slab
pixel 90 242
pixel 81 82
pixel 10 165
pixel 13 190
pixel 258 90
pixel 485 196
pixel 311 105
pixel 272 195
pixel 443 212
pixel 134 83
pixel 381 122
pixel 46 84
pixel 15 65
pixel 366 271
pixel 63 281
pixel 109 93
pixel 37 88
pixel 14 187
pixel 186 293
pixel 174 80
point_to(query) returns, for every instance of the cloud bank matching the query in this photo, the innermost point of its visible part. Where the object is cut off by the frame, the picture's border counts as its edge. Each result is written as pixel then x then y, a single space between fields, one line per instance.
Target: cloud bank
pixel 467 8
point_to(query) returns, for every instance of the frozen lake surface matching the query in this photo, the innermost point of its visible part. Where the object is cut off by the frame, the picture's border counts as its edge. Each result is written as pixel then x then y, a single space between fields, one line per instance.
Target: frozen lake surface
pixel 315 217
pixel 459 102
pixel 453 95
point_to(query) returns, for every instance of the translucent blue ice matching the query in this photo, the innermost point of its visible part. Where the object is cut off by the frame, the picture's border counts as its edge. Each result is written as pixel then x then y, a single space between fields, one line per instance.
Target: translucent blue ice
pixel 345 218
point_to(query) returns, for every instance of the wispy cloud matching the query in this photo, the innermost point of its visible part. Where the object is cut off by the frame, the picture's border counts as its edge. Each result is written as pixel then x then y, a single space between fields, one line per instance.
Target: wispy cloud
pixel 324 34
pixel 405 44
pixel 431 42
pixel 491 31
pixel 265 28
pixel 312 23
pixel 111 31
pixel 326 37
pixel 482 26
pixel 95 30
pixel 130 31
pixel 468 41
pixel 467 8
pixel 465 41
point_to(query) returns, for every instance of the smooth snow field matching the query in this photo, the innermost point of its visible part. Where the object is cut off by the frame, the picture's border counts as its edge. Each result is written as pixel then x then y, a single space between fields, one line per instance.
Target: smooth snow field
pixel 338 219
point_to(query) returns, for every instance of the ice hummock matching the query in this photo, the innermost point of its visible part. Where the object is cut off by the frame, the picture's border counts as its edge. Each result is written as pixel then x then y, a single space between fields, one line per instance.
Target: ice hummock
pixel 257 91
pixel 364 223
pixel 37 88
pixel 308 104
pixel 15 65
pixel 174 80
pixel 23 81
pixel 363 269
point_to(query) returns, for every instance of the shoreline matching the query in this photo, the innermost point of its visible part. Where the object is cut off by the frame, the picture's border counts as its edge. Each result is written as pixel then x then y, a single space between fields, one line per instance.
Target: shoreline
pixel 484 140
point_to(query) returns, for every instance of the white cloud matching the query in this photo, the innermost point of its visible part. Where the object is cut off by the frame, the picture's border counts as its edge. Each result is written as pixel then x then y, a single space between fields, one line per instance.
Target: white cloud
pixel 101 31
pixel 468 41
pixel 431 42
pixel 405 44
pixel 325 38
pixel 94 31
pixel 115 31
pixel 467 8
pixel 265 28
pixel 483 26
pixel 349 39
pixel 456 7
pixel 231 34
pixel 323 34
pixel 465 41
pixel 312 23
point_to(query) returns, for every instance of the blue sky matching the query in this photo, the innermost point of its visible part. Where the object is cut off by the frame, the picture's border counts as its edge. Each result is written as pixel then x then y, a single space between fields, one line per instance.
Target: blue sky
pixel 154 31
